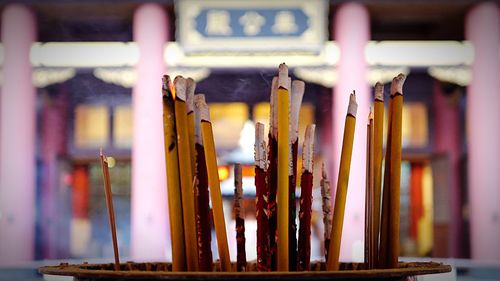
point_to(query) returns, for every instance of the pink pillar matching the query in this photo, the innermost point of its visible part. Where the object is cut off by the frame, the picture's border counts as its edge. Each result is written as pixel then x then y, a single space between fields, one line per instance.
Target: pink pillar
pixel 483 128
pixel 447 141
pixel 149 189
pixel 17 137
pixel 352 32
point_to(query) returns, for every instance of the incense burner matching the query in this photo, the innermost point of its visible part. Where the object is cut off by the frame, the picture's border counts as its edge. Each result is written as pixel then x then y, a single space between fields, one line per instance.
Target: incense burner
pixel 162 271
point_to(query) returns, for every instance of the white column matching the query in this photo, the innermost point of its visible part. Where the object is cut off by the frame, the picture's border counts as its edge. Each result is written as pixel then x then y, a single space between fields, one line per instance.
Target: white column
pixel 17 137
pixel 483 131
pixel 352 32
pixel 149 215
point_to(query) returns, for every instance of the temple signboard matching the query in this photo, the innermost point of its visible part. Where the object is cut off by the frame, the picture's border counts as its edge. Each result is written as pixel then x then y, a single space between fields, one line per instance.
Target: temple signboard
pixel 251 26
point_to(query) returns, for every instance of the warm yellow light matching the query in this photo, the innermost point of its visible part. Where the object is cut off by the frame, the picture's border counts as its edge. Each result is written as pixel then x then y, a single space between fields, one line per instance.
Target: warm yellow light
pixel 223 172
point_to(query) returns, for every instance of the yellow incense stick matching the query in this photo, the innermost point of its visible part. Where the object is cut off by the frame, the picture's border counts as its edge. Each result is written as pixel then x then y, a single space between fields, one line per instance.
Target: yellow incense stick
pixel 190 88
pixel 395 168
pixel 214 183
pixel 343 179
pixel 186 175
pixel 283 166
pixel 174 191
pixel 369 198
pixel 378 133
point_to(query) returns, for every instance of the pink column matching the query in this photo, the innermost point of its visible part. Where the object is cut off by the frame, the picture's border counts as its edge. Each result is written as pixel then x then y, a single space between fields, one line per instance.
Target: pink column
pixel 17 137
pixel 352 32
pixel 483 128
pixel 149 193
pixel 447 141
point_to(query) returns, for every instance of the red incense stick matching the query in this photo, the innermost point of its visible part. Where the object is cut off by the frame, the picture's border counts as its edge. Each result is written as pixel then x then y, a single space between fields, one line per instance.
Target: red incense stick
pixel 203 227
pixel 239 211
pixel 262 193
pixel 272 174
pixel 306 183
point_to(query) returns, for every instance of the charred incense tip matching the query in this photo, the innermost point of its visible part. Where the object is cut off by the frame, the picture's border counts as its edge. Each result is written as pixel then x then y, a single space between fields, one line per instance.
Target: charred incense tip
pixel 165 81
pixel 180 88
pixel 202 108
pixel 379 91
pixel 260 146
pixel 273 116
pixel 199 98
pixel 323 171
pixel 370 115
pixel 308 149
pixel 352 109
pixel 298 88
pixel 397 84
pixel 190 88
pixel 238 189
pixel 283 77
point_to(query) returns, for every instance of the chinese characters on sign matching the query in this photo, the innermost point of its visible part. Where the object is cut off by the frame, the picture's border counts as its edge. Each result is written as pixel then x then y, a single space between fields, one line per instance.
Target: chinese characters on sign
pixel 218 22
pixel 216 25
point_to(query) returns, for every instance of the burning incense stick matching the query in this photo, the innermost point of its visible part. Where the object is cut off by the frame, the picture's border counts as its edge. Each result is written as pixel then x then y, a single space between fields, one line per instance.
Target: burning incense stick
pixel 239 212
pixel 109 204
pixel 395 168
pixel 213 181
pixel 272 172
pixel 306 184
pixel 327 209
pixel 378 132
pixel 204 231
pixel 174 191
pixel 190 88
pixel 385 215
pixel 369 196
pixel 262 193
pixel 186 174
pixel 296 101
pixel 283 166
pixel 343 179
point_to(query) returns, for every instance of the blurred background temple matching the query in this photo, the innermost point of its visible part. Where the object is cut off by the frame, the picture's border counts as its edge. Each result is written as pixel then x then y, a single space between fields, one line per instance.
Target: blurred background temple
pixel 77 76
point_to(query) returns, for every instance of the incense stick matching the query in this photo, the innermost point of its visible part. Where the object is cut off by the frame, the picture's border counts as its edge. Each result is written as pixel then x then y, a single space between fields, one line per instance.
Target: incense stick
pixel 262 194
pixel 283 166
pixel 239 212
pixel 378 132
pixel 173 186
pixel 109 204
pixel 306 184
pixel 204 231
pixel 327 209
pixel 369 196
pixel 213 181
pixel 190 88
pixel 342 182
pixel 297 92
pixel 272 173
pixel 186 174
pixel 395 168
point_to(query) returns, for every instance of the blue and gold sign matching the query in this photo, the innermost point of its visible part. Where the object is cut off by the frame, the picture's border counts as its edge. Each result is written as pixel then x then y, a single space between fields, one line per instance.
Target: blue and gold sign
pixel 253 26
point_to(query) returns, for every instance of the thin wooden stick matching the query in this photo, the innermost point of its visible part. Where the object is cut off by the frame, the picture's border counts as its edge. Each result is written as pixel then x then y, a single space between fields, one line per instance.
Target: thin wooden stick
pixel 213 181
pixel 327 209
pixel 369 198
pixel 272 173
pixel 173 185
pixel 395 169
pixel 342 182
pixel 283 166
pixel 306 184
pixel 262 194
pixel 378 134
pixel 186 174
pixel 239 211
pixel 204 230
pixel 297 92
pixel 109 204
